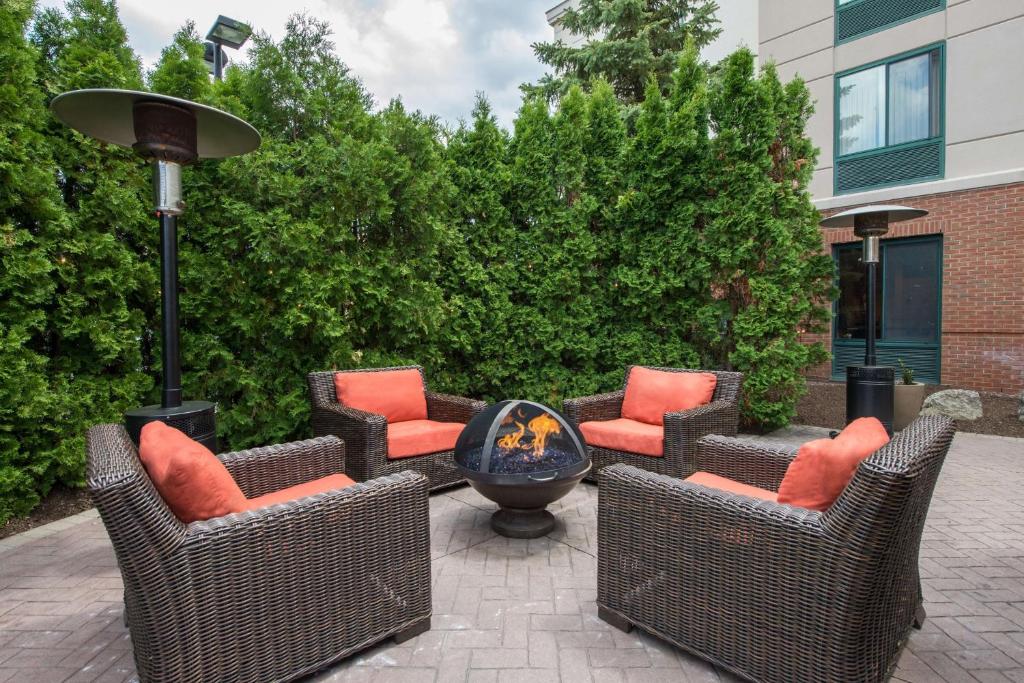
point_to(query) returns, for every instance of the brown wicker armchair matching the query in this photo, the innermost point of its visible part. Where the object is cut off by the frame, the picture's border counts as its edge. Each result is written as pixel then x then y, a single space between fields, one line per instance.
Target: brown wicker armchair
pixel 773 592
pixel 682 429
pixel 366 434
pixel 270 594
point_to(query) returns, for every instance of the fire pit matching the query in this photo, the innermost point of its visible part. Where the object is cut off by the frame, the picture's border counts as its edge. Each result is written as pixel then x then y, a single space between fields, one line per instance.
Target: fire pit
pixel 523 456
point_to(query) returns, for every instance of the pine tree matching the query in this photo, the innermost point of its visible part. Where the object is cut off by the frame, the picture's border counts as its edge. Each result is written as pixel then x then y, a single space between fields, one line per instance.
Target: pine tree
pixel 769 273
pixel 629 43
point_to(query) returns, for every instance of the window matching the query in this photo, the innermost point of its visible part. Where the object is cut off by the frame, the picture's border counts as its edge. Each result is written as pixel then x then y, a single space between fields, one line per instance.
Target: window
pixel 908 314
pixel 857 18
pixel 889 122
pixel 890 104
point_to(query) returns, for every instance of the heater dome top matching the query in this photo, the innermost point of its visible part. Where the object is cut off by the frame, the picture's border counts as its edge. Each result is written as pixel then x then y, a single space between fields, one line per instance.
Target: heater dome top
pixel 108 115
pixel 883 213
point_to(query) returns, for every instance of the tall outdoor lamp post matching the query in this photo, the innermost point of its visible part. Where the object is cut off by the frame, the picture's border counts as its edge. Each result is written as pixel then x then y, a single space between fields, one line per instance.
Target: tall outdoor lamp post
pixel 170 132
pixel 869 387
pixel 225 32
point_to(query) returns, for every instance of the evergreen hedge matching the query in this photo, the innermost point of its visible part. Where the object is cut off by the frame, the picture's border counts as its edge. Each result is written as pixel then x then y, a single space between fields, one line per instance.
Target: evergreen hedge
pixel 534 263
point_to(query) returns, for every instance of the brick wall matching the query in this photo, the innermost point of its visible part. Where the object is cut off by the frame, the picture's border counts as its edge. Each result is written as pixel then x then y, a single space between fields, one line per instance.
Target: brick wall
pixel 982 283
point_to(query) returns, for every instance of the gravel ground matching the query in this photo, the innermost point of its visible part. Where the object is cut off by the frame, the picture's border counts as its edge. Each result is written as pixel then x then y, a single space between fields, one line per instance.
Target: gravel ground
pixel 825 406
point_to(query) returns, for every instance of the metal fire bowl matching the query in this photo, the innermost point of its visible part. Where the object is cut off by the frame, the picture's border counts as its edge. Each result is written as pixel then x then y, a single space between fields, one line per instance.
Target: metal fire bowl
pixel 521 512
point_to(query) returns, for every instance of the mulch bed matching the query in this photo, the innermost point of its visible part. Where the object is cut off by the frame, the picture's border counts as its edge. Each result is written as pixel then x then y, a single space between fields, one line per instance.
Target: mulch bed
pixel 825 406
pixel 60 503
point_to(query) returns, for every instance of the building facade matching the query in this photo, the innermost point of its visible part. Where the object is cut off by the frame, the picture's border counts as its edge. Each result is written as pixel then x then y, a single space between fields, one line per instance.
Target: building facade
pixel 919 102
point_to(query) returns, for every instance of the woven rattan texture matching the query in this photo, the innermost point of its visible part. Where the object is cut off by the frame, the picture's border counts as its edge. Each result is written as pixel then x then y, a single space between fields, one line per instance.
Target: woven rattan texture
pixel 366 437
pixel 682 429
pixel 767 591
pixel 270 594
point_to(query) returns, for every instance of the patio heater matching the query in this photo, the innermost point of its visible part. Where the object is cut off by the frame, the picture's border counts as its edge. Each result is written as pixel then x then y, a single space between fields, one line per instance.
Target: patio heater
pixel 870 387
pixel 171 133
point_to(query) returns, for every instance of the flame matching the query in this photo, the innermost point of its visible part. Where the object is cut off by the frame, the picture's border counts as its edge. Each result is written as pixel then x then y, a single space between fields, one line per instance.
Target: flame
pixel 543 426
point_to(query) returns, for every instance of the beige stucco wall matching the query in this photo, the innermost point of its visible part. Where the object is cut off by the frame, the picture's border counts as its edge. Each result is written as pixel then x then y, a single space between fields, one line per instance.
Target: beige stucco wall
pixel 984 82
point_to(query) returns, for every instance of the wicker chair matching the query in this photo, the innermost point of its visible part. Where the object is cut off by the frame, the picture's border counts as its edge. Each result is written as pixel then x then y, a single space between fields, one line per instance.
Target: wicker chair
pixel 270 594
pixel 768 591
pixel 366 434
pixel 682 429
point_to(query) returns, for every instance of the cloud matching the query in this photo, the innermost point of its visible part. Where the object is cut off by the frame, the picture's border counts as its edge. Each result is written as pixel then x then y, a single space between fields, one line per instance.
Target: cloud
pixel 434 54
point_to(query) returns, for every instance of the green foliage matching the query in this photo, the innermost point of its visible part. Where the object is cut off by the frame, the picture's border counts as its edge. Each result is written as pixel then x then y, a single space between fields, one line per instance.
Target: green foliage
pixel 627 42
pixel 532 264
pixel 28 204
pixel 769 273
pixel 182 71
pixel 906 372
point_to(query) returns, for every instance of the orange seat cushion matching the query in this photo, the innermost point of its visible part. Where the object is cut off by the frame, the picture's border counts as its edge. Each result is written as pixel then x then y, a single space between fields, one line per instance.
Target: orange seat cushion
pixel 714 481
pixel 626 435
pixel 652 393
pixel 190 478
pixel 309 488
pixel 398 395
pixel 420 437
pixel 822 468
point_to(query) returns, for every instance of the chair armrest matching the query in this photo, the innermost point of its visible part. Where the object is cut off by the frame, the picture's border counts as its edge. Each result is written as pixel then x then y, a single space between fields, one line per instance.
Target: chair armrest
pixel 365 436
pixel 684 428
pixel 657 533
pixel 598 407
pixel 322 558
pixel 744 461
pixel 270 468
pixel 448 408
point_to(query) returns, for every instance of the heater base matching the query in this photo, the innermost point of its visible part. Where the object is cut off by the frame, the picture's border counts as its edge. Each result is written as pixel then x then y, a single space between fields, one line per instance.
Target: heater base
pixel 196 418
pixel 870 392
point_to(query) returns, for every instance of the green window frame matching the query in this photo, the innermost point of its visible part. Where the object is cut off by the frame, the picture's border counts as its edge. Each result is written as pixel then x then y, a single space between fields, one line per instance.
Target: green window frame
pixel 858 18
pixel 893 163
pixel 923 355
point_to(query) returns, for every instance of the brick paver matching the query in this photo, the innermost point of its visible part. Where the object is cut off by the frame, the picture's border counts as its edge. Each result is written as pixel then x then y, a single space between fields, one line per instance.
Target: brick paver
pixel 507 610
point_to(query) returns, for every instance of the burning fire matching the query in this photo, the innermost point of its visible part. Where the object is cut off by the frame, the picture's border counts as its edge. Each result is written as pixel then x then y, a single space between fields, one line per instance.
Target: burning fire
pixel 541 427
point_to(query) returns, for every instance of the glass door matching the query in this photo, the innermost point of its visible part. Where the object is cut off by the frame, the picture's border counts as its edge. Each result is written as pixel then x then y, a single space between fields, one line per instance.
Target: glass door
pixel 909 317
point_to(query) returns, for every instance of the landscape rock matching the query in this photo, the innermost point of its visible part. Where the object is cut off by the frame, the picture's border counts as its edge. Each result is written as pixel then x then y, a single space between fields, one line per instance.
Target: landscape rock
pixel 1020 407
pixel 959 404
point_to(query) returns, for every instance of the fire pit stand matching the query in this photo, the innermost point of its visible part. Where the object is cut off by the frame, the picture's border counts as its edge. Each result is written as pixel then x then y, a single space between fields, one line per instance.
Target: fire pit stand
pixel 523 456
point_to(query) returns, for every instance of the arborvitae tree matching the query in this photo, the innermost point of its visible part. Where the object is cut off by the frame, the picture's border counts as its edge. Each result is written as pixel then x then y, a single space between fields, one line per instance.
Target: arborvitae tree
pixel 104 256
pixel 769 275
pixel 317 250
pixel 477 259
pixel 605 143
pixel 182 71
pixel 660 278
pixel 30 405
pixel 628 43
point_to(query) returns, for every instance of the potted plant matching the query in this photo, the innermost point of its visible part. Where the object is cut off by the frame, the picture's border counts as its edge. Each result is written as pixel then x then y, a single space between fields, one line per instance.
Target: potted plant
pixel 909 397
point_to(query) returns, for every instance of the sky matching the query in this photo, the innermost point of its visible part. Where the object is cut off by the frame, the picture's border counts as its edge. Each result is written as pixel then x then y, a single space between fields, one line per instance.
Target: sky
pixel 434 54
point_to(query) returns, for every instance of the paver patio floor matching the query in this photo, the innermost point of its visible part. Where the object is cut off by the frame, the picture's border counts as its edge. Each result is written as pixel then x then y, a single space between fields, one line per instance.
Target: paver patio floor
pixel 507 610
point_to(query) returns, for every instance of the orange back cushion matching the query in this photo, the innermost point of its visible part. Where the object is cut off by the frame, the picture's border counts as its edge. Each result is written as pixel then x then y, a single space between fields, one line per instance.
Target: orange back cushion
pixel 398 395
pixel 652 393
pixel 822 468
pixel 190 479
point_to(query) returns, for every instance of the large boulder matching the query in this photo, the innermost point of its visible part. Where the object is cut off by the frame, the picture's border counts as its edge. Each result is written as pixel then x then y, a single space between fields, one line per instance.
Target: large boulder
pixel 959 404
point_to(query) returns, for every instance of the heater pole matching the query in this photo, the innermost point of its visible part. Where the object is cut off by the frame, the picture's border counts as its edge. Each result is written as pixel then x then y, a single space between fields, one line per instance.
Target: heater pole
pixel 169 287
pixel 869 345
pixel 870 258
